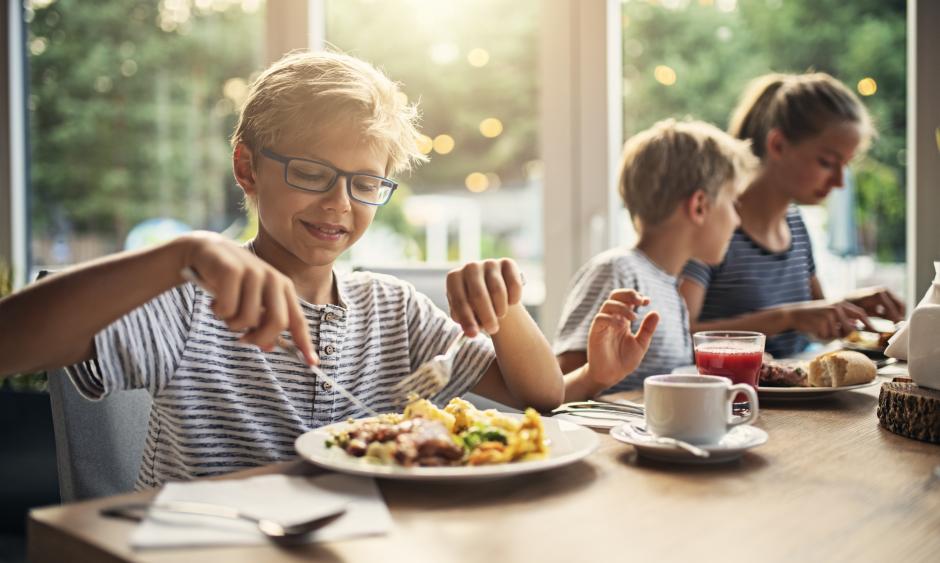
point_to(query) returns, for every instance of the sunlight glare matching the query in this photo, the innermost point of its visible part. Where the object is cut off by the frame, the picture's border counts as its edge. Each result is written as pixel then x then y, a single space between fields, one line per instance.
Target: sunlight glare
pixel 664 75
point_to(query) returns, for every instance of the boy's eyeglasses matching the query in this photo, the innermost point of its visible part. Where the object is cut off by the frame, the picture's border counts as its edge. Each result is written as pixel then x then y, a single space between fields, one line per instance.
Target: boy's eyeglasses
pixel 319 177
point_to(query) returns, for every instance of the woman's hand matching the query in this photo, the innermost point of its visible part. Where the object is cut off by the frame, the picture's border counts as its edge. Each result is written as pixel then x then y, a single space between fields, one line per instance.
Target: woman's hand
pixel 879 302
pixel 480 294
pixel 827 321
pixel 249 294
pixel 613 349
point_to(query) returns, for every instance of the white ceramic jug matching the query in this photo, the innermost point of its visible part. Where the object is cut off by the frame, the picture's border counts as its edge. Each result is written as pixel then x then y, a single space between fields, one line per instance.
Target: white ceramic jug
pixel 923 353
pixel 922 337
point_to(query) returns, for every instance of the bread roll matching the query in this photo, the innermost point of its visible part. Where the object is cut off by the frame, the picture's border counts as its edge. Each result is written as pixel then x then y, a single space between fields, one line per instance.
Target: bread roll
pixel 840 368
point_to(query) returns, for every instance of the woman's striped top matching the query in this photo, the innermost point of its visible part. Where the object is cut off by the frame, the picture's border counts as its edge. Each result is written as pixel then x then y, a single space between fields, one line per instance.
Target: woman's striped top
pixel 752 278
pixel 220 405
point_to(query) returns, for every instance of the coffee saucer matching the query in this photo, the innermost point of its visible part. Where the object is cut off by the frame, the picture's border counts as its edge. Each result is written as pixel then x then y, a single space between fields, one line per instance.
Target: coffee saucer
pixel 732 446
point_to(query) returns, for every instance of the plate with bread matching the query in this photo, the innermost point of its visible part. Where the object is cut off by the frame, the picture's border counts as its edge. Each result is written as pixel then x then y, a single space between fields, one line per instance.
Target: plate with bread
pixel 873 342
pixel 827 373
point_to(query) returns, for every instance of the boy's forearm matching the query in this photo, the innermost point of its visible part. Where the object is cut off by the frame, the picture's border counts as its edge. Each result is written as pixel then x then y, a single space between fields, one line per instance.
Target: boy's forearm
pixel 53 322
pixel 529 369
pixel 580 385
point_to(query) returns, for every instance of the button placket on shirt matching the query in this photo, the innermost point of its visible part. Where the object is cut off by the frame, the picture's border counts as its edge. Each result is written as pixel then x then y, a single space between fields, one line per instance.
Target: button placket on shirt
pixel 331 337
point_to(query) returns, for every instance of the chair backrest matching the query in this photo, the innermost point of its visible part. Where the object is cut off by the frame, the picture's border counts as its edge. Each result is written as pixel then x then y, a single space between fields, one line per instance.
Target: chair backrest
pixel 98 443
pixel 429 280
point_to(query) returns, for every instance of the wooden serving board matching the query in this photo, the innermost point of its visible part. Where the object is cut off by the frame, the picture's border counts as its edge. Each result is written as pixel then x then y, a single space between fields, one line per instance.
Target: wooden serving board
pixel 910 410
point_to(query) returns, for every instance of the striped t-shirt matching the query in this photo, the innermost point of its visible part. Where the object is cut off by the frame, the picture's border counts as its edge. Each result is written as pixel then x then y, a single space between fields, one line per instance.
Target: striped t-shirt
pixel 751 278
pixel 631 269
pixel 220 406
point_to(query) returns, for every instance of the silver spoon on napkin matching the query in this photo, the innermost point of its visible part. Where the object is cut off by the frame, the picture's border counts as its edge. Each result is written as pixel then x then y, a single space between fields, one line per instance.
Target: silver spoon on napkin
pixel 274 530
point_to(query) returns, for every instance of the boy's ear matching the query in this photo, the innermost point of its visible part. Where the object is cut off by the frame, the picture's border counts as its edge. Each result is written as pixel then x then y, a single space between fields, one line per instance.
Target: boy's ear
pixel 697 207
pixel 243 165
pixel 775 143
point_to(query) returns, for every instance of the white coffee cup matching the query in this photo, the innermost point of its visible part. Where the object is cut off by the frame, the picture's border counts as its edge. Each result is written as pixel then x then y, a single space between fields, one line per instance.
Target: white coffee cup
pixel 694 408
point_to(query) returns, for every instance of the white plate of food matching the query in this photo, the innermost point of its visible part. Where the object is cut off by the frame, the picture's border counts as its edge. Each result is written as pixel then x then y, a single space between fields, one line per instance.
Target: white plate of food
pixel 424 444
pixel 806 392
pixel 790 377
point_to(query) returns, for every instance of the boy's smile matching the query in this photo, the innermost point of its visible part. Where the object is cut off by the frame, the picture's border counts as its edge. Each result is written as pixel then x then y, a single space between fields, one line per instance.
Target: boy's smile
pixel 326 231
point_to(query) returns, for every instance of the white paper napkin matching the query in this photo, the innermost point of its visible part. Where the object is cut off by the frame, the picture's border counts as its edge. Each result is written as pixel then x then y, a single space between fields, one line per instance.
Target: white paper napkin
pixel 278 497
pixel 898 344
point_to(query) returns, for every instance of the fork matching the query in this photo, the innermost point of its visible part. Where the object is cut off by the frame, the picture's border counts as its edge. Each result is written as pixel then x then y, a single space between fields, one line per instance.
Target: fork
pixel 431 376
pixel 599 406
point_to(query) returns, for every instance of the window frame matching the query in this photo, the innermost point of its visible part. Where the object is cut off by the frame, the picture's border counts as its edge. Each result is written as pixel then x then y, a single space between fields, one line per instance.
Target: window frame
pixel 923 146
pixel 14 159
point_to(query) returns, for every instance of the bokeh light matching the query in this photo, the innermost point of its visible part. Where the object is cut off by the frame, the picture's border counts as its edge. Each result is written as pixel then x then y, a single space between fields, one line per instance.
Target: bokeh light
pixel 477 182
pixel 491 127
pixel 867 86
pixel 443 144
pixel 444 53
pixel 235 89
pixel 664 75
pixel 478 57
pixel 425 144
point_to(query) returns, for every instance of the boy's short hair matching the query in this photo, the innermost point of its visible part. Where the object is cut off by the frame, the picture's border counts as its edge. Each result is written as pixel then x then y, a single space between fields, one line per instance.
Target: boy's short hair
pixel 306 93
pixel 664 165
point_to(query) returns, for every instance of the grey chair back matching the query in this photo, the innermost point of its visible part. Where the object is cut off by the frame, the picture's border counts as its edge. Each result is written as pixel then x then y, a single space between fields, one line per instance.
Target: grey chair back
pixel 99 444
pixel 429 280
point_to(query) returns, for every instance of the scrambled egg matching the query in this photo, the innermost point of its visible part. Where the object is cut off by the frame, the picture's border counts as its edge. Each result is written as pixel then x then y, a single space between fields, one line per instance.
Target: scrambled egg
pixel 488 436
pixel 468 436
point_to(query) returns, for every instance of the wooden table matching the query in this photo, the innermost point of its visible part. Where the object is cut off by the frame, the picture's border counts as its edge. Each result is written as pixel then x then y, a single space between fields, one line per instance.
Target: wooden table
pixel 830 485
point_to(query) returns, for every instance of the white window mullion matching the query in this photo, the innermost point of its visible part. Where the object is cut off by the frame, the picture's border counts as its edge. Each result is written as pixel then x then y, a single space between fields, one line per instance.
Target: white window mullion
pixel 15 218
pixel 580 123
pixel 923 146
pixel 316 21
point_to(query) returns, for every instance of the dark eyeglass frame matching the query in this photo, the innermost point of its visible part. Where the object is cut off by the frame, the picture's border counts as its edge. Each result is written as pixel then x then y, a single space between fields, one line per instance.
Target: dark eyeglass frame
pixel 286 160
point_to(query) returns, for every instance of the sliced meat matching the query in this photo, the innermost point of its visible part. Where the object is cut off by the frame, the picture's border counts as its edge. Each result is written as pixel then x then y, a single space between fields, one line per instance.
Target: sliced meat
pixel 783 373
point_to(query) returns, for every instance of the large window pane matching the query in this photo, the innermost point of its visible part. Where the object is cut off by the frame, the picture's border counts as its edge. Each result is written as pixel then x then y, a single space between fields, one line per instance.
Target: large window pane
pixel 473 67
pixel 131 104
pixel 694 58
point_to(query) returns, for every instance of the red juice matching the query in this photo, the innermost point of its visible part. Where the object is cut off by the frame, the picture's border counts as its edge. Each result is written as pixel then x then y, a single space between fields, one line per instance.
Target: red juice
pixel 739 366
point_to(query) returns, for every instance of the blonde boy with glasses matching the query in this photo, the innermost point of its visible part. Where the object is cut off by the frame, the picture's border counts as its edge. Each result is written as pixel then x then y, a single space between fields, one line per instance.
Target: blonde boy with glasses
pixel 624 318
pixel 317 140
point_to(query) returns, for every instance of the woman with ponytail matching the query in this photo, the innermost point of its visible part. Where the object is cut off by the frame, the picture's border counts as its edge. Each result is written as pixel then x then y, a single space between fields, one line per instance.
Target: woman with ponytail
pixel 805 129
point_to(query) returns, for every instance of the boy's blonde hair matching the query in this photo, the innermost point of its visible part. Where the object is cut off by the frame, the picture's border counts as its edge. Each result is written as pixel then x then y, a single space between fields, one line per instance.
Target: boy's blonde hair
pixel 799 105
pixel 307 93
pixel 666 164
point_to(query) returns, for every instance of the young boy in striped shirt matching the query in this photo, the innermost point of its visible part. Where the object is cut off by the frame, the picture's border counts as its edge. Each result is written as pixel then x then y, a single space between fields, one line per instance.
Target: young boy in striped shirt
pixel 316 140
pixel 678 181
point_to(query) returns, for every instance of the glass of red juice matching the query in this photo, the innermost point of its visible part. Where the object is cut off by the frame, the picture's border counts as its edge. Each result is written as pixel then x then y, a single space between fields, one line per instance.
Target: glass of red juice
pixel 735 354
